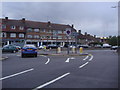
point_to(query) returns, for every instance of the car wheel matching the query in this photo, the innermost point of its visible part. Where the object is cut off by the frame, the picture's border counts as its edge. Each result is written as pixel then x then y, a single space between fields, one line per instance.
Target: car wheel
pixel 13 51
pixel 35 55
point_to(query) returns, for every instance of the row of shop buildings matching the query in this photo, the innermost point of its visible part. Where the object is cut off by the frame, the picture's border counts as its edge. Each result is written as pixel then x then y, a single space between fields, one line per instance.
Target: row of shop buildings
pixel 20 32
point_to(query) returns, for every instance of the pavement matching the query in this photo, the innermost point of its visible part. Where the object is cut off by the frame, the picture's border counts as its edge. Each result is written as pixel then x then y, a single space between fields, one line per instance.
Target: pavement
pixel 99 69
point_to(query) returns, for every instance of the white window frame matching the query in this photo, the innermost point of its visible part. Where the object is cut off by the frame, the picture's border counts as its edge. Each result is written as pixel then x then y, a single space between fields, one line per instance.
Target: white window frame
pixel 29 30
pixel 36 36
pixel 21 35
pixel 59 37
pixel 60 31
pixel 21 28
pixel 36 30
pixel 13 27
pixel 12 34
pixel 43 30
pixel 1 34
pixel 29 36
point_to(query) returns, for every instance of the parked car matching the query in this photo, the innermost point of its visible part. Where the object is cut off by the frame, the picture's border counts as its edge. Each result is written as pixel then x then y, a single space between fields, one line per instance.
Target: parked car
pixel 114 47
pixel 18 47
pixel 72 46
pixel 98 46
pixel 84 46
pixel 29 50
pixel 106 46
pixel 10 48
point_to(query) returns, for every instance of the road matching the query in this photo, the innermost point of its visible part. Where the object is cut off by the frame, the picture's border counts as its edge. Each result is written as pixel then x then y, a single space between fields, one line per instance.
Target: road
pixel 97 70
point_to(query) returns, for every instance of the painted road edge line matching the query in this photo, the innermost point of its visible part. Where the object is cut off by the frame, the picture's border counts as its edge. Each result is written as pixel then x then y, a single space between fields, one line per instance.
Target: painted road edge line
pixel 17 74
pixel 83 65
pixel 86 57
pixel 54 80
pixel 48 61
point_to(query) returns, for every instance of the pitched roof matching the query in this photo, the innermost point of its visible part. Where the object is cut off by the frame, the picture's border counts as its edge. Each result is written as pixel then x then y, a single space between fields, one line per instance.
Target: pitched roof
pixel 35 24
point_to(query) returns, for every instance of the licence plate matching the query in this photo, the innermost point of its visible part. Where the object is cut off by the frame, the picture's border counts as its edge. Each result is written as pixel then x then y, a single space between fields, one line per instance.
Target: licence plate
pixel 29 49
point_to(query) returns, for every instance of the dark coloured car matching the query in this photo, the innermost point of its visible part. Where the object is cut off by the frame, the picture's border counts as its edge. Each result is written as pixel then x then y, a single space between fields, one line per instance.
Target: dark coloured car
pixel 10 48
pixel 29 50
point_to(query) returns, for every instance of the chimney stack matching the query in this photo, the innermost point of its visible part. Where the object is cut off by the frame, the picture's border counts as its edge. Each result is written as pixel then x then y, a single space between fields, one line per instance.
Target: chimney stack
pixel 94 36
pixel 49 23
pixel 23 19
pixel 86 33
pixel 6 18
pixel 72 26
pixel 79 32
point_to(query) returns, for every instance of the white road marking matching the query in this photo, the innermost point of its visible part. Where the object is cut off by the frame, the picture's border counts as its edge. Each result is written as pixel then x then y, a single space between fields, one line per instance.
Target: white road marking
pixel 48 61
pixel 43 55
pixel 18 55
pixel 54 80
pixel 91 58
pixel 83 65
pixel 72 58
pixel 86 58
pixel 67 60
pixel 16 74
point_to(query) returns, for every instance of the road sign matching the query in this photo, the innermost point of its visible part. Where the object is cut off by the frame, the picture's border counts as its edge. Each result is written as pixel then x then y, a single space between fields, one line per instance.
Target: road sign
pixel 68 31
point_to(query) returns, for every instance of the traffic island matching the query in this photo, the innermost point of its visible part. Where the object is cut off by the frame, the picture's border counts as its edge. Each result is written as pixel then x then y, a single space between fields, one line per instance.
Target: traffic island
pixel 82 54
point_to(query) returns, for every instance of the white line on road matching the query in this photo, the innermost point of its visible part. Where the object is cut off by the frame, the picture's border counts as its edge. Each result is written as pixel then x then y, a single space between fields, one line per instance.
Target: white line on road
pixel 91 58
pixel 48 61
pixel 43 55
pixel 86 58
pixel 83 65
pixel 54 80
pixel 16 74
pixel 67 60
pixel 72 58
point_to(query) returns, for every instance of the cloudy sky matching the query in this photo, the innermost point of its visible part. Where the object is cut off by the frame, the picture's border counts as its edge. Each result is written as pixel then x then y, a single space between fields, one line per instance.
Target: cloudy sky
pixel 96 18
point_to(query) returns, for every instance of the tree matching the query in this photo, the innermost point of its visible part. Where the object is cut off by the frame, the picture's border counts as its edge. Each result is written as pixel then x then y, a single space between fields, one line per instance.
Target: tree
pixel 113 41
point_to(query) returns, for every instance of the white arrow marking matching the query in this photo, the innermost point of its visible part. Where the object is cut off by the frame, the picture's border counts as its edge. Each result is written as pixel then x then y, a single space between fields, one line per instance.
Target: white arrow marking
pixel 67 60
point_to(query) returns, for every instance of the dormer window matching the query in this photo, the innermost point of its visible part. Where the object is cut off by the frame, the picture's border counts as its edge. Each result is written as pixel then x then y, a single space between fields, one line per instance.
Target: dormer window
pixel 21 27
pixel 13 27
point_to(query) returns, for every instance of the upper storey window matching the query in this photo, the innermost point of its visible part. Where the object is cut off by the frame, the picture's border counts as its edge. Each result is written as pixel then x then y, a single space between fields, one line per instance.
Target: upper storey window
pixel 13 27
pixel 29 30
pixel 21 28
pixel 3 26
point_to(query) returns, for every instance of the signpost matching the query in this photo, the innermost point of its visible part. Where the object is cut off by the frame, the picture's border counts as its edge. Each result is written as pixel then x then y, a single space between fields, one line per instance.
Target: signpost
pixel 75 34
pixel 68 33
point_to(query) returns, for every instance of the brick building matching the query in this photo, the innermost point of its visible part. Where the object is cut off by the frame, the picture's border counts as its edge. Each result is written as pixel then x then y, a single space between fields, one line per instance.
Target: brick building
pixel 20 32
pixel 86 38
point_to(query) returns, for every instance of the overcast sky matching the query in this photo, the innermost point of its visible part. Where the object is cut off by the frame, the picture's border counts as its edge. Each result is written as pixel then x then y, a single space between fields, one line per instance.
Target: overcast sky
pixel 96 18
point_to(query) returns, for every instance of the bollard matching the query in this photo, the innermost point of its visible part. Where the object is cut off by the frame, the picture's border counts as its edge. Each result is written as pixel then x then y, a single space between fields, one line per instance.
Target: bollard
pixel 73 49
pixel 44 47
pixel 81 50
pixel 59 50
